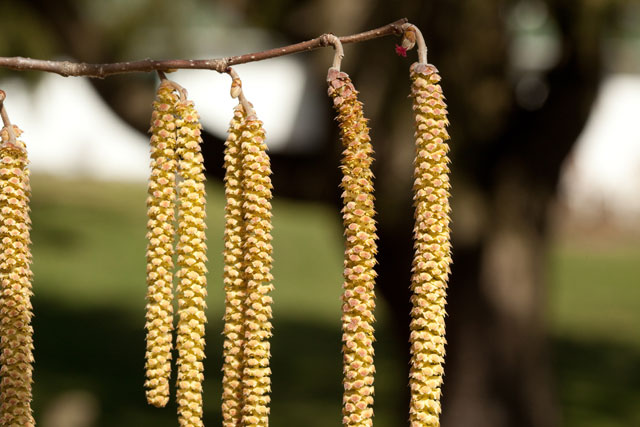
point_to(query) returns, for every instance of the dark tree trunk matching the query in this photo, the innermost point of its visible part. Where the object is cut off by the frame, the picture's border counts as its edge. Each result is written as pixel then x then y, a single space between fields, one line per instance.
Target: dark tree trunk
pixel 506 163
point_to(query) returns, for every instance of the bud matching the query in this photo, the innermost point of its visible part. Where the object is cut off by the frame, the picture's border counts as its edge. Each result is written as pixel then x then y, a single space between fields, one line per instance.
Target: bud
pixel 409 38
pixel 236 88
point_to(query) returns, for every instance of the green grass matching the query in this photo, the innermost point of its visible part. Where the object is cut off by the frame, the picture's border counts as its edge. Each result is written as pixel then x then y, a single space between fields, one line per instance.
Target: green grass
pixel 88 240
pixel 597 293
pixel 595 321
pixel 89 265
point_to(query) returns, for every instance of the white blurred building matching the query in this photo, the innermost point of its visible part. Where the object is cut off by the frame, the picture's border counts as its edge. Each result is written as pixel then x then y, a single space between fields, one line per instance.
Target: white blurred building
pixel 71 131
pixel 602 174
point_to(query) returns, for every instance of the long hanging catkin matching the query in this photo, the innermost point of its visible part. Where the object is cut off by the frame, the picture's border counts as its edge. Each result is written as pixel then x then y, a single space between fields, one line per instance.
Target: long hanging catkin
pixel 234 283
pixel 256 190
pixel 432 246
pixel 160 235
pixel 358 298
pixel 16 332
pixel 192 283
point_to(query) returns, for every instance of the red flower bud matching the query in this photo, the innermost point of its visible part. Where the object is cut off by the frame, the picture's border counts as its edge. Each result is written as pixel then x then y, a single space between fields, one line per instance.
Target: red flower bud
pixel 401 51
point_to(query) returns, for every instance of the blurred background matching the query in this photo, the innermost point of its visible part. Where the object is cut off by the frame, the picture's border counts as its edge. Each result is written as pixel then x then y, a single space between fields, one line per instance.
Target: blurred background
pixel 544 304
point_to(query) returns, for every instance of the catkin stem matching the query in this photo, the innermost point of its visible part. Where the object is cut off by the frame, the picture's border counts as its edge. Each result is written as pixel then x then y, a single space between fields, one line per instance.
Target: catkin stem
pixel 339 51
pixel 5 119
pixel 422 46
pixel 237 92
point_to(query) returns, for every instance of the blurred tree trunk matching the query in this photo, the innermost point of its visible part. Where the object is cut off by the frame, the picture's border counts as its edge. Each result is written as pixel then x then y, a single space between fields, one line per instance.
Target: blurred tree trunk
pixel 506 162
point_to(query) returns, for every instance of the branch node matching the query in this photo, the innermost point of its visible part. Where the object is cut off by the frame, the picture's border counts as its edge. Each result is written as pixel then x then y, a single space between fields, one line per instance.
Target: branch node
pixel 222 66
pixel 398 26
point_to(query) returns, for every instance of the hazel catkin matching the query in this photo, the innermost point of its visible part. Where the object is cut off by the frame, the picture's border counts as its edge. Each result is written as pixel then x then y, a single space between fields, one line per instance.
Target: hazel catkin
pixel 192 283
pixel 160 237
pixel 257 250
pixel 234 283
pixel 432 247
pixel 358 299
pixel 16 342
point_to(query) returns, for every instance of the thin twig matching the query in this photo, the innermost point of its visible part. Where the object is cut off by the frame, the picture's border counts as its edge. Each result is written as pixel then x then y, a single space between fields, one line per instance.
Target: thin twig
pixel 69 68
pixel 237 83
pixel 339 54
pixel 5 119
pixel 422 46
pixel 182 92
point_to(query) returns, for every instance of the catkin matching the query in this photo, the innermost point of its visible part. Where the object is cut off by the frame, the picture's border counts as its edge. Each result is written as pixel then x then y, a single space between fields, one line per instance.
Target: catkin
pixel 256 193
pixel 192 283
pixel 430 270
pixel 160 235
pixel 16 344
pixel 234 283
pixel 358 299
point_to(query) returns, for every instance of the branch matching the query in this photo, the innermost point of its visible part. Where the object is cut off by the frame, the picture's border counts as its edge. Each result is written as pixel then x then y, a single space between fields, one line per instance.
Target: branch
pixel 68 68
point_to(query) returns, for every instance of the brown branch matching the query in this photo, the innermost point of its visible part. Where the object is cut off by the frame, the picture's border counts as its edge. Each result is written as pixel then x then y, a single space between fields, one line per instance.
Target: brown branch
pixel 68 68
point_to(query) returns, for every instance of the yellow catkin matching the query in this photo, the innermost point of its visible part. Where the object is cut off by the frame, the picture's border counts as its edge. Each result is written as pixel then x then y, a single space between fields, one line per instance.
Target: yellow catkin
pixel 358 298
pixel 16 332
pixel 432 259
pixel 160 235
pixel 234 284
pixel 256 190
pixel 192 282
